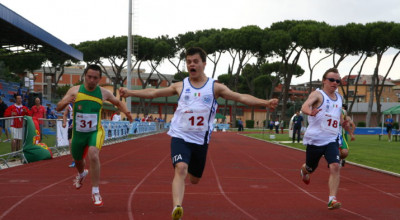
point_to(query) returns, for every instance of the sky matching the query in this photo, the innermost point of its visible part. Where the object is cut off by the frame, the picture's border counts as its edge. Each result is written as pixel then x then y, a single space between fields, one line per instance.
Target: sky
pixel 75 21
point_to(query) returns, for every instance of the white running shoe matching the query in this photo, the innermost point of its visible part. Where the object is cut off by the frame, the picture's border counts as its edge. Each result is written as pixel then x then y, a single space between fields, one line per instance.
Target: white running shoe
pixel 78 181
pixel 177 213
pixel 97 201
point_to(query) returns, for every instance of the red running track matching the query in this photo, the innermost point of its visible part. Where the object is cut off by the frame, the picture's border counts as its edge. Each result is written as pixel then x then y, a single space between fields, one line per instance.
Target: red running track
pixel 244 179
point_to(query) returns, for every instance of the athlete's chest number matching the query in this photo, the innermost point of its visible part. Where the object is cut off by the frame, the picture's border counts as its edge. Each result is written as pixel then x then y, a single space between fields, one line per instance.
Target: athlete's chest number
pixel 333 123
pixel 196 121
pixel 86 124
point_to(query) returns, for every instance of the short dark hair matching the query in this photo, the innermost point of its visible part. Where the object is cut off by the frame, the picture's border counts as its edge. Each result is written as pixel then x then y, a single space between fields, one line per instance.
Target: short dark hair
pixel 94 67
pixel 197 50
pixel 334 70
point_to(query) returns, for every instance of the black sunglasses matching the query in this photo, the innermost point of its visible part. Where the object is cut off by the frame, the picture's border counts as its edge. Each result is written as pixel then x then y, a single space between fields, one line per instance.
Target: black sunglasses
pixel 338 81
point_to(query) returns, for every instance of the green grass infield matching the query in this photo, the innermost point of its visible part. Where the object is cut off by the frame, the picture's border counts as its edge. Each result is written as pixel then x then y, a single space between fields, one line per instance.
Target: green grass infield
pixel 367 150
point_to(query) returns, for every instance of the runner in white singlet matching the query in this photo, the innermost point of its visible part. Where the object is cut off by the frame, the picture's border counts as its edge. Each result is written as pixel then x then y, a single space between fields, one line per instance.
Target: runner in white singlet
pixel 321 138
pixel 191 125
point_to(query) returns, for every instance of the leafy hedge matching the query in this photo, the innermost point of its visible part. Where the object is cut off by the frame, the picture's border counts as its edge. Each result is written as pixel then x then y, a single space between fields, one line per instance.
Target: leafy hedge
pixel 249 123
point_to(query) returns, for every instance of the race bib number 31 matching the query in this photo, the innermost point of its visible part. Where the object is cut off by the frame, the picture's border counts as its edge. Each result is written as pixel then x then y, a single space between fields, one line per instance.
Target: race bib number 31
pixel 86 122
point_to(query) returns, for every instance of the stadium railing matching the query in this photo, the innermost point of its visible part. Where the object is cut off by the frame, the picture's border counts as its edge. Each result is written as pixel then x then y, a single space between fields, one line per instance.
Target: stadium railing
pixel 12 137
pixel 54 137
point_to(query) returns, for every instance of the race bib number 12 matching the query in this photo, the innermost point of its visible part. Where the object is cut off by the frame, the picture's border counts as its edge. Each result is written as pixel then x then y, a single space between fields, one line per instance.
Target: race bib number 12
pixel 195 122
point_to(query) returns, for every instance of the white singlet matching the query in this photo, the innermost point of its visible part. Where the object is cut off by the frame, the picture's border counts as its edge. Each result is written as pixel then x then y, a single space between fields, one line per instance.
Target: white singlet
pixel 196 111
pixel 324 127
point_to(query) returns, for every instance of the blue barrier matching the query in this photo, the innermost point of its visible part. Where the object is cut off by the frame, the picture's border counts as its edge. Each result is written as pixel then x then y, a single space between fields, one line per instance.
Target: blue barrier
pixel 48 131
pixel 143 127
pixel 123 128
pixel 221 126
pixel 115 129
pixel 373 130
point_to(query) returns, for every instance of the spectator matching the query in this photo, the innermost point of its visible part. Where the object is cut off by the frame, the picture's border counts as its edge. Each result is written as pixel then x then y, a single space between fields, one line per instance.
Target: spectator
pixel 277 126
pixel 240 125
pixel 3 107
pixel 271 126
pixel 48 110
pixel 389 126
pixel 297 124
pixel 116 116
pixel 25 99
pixel 137 119
pixel 50 115
pixel 17 124
pixel 39 112
pixel 282 125
pixel 26 95
pixel 25 102
pixel 19 91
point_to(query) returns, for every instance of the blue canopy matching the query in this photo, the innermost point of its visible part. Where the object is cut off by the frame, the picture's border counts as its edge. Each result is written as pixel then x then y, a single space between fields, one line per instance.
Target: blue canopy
pixel 16 32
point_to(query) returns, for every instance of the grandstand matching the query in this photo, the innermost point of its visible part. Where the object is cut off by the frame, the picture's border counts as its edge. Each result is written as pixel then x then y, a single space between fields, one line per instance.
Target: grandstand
pixel 8 89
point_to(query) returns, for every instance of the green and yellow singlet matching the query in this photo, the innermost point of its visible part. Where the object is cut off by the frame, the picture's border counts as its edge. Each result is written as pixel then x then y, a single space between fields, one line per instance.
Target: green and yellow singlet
pixel 87 129
pixel 344 138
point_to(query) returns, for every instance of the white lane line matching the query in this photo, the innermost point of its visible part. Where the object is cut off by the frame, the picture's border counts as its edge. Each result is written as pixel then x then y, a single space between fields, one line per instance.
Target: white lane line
pixel 30 195
pixel 223 192
pixel 301 189
pixel 51 185
pixel 130 213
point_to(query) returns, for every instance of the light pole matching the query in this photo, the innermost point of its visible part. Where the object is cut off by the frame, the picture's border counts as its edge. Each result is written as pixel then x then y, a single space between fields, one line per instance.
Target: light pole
pixel 129 56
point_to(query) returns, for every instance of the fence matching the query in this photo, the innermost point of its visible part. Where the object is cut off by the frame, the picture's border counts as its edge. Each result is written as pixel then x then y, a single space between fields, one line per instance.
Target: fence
pixel 11 145
pixel 55 137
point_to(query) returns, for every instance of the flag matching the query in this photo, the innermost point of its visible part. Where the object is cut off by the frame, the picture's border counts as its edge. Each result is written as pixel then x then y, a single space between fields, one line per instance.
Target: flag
pixel 32 148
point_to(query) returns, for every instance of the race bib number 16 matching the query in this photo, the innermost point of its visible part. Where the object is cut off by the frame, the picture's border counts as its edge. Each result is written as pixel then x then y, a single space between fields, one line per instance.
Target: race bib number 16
pixel 86 122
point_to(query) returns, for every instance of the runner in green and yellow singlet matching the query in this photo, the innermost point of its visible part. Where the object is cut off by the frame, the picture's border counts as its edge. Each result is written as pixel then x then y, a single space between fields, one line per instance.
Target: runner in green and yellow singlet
pixel 347 127
pixel 88 134
pixel 87 129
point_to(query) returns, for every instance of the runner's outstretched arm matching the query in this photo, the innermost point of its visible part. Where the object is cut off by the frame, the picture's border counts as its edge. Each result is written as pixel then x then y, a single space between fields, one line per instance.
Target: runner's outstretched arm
pixel 151 93
pixel 224 92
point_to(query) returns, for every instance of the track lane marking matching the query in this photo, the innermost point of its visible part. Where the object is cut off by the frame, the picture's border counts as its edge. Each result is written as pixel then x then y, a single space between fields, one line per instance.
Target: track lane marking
pixel 224 194
pixel 301 189
pixel 130 214
pixel 58 182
